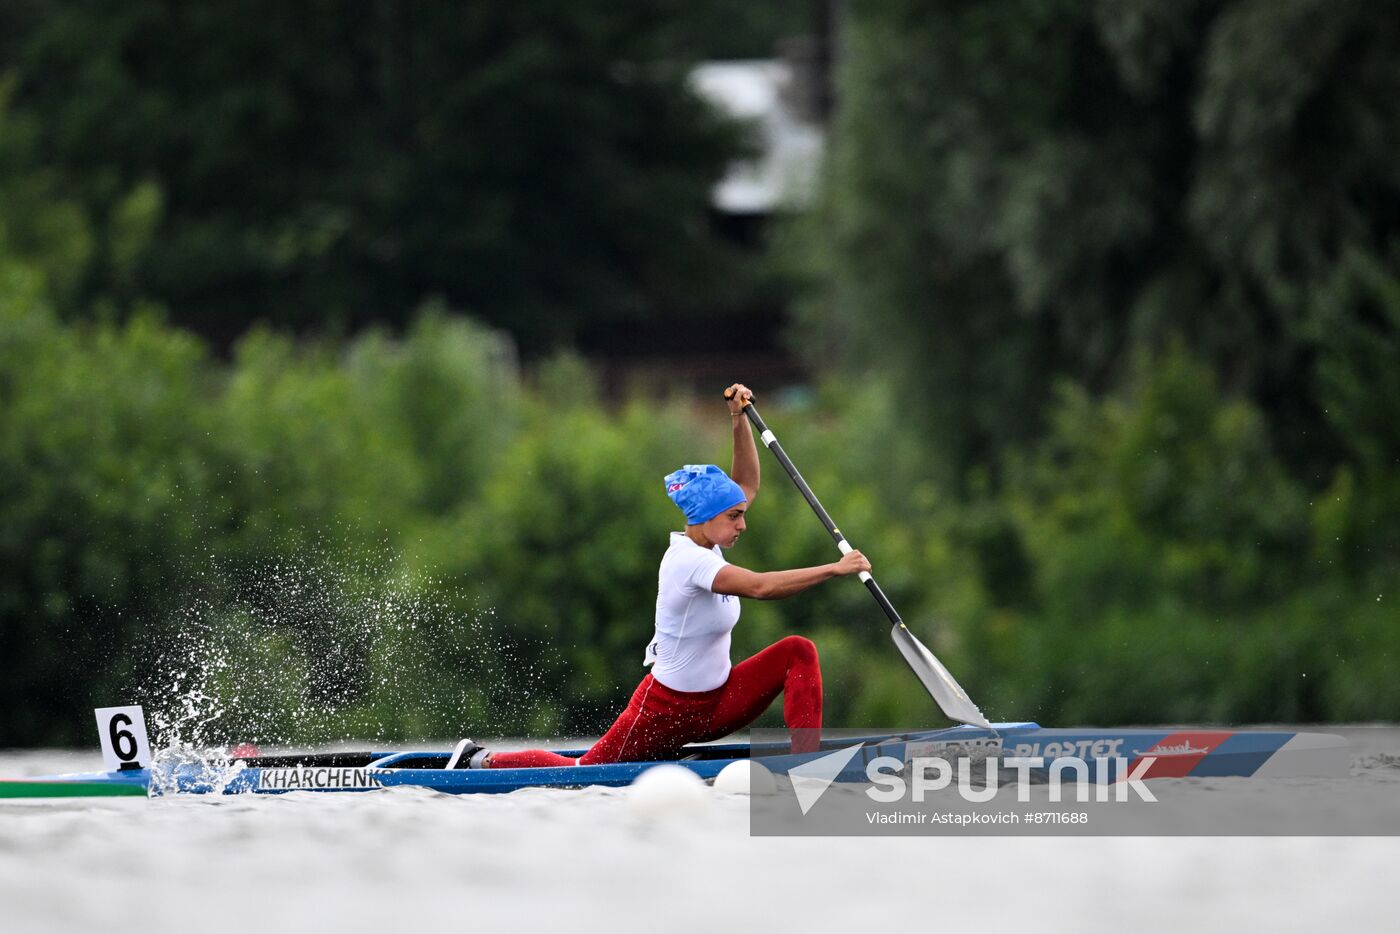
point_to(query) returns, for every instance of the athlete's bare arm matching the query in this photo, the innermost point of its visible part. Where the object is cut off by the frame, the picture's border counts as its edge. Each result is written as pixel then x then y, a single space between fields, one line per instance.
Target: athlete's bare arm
pixel 744 470
pixel 774 585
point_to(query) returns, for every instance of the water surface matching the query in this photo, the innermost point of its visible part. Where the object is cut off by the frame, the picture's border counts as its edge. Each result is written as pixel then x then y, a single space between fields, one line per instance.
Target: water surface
pixel 586 861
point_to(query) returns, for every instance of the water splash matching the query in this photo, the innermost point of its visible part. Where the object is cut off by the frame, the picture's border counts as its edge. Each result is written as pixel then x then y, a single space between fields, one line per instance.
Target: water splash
pixel 186 768
pixel 1377 761
pixel 321 650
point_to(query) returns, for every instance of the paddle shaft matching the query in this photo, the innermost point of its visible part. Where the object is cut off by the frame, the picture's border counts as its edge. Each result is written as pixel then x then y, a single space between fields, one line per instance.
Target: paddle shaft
pixel 771 443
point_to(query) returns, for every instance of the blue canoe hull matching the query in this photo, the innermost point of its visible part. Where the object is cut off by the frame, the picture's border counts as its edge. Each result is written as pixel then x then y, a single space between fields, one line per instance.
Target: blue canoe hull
pixel 1174 753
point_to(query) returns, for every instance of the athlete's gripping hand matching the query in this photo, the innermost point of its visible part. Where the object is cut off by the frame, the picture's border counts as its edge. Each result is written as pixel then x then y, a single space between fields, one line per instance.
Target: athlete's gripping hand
pixel 736 396
pixel 852 562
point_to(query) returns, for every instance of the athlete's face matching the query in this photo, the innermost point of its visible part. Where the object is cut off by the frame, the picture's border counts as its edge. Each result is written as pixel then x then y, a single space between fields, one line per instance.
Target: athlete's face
pixel 724 529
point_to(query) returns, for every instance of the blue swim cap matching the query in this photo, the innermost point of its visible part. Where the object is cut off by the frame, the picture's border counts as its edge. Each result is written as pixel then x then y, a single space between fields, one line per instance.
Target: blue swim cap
pixel 703 491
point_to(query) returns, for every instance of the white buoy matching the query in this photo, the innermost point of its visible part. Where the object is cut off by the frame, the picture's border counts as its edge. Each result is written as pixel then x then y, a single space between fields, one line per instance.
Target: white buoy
pixel 667 789
pixel 745 777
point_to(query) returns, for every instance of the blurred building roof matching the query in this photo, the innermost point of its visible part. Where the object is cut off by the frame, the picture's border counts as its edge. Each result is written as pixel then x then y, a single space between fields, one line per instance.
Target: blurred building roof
pixel 765 95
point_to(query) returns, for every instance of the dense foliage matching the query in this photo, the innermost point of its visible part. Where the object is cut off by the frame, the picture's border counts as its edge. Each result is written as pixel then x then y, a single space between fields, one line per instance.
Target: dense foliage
pixel 329 165
pixel 390 538
pixel 1023 191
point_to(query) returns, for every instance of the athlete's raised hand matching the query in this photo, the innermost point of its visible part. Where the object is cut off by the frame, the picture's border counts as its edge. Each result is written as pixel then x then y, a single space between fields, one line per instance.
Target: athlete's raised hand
pixel 736 396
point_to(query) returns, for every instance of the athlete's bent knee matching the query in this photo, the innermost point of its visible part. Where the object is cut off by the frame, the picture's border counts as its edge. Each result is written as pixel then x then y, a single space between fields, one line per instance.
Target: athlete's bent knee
pixel 801 649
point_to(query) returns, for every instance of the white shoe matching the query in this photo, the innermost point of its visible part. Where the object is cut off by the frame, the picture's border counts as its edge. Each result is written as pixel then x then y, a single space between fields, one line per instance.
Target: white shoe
pixel 468 755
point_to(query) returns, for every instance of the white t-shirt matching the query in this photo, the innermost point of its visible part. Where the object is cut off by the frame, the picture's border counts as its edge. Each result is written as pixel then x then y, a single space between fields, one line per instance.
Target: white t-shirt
pixel 691 645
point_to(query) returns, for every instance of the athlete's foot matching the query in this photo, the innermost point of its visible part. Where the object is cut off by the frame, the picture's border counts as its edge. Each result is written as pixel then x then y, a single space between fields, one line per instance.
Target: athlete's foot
pixel 469 755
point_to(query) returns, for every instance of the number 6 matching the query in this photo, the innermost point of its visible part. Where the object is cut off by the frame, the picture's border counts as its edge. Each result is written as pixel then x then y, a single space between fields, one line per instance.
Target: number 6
pixel 122 732
pixel 123 742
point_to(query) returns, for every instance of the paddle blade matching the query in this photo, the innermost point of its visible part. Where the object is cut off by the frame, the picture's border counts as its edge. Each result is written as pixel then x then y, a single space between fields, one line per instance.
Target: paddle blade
pixel 940 684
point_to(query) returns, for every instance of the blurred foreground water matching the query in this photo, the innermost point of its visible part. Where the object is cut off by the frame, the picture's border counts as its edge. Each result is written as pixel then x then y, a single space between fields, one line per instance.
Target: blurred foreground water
pixel 585 861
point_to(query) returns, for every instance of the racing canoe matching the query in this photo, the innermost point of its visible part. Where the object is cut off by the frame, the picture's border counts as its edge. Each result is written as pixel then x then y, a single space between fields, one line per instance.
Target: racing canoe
pixel 1175 753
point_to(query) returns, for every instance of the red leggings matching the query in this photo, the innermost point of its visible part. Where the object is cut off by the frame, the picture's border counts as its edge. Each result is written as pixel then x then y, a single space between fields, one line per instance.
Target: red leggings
pixel 659 721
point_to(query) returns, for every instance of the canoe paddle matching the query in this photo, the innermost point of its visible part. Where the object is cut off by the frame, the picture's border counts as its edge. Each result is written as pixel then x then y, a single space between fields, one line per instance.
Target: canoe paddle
pixel 946 691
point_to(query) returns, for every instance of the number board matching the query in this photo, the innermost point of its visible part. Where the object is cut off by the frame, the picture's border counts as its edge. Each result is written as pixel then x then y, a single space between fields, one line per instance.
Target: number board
pixel 122 731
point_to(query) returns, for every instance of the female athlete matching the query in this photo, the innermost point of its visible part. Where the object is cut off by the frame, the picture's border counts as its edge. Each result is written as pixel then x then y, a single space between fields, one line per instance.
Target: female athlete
pixel 693 693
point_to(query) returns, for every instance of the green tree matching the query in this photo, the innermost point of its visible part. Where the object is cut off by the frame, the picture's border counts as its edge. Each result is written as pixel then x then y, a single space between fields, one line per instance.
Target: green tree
pixel 103 444
pixel 1023 190
pixel 330 164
